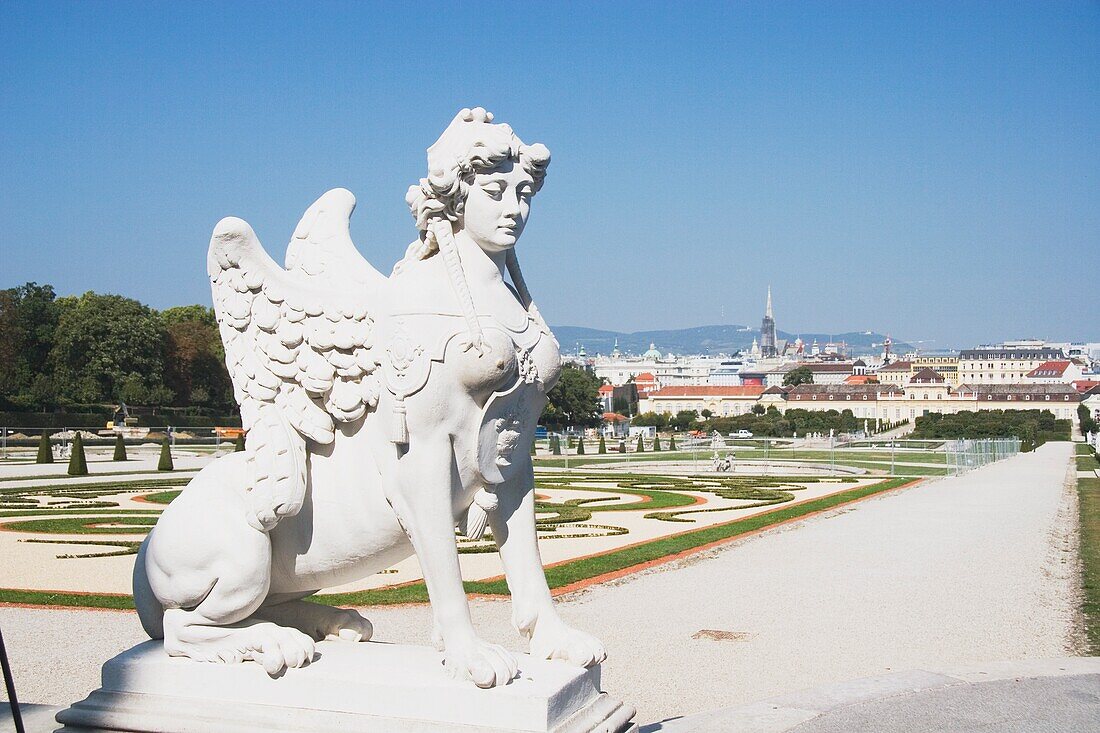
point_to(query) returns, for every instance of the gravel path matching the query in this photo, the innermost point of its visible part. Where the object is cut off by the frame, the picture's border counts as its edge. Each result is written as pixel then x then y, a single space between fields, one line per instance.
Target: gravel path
pixel 960 570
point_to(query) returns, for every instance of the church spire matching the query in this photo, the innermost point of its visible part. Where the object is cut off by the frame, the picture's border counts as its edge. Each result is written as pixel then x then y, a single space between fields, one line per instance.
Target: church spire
pixel 768 342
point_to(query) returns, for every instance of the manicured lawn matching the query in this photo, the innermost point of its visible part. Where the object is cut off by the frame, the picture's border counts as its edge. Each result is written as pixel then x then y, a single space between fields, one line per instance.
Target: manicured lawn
pixel 130 524
pixel 1088 490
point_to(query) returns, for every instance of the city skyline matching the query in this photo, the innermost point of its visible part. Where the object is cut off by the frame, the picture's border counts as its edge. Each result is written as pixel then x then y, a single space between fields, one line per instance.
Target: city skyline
pixel 924 171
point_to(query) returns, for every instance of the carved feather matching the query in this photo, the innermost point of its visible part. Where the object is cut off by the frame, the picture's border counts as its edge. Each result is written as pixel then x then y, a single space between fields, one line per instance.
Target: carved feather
pixel 297 343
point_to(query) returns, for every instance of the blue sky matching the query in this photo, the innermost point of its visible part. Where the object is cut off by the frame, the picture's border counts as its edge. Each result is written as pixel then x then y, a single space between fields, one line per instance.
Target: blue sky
pixel 927 169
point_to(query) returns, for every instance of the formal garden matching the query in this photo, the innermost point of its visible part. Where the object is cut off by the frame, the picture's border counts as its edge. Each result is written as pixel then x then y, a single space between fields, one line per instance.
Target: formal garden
pixel 70 538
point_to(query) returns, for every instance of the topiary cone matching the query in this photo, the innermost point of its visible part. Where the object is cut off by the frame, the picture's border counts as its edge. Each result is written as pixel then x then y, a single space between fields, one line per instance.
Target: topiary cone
pixel 120 449
pixel 239 445
pixel 603 447
pixel 672 442
pixel 656 443
pixel 580 446
pixel 165 463
pixel 641 444
pixel 78 464
pixel 45 449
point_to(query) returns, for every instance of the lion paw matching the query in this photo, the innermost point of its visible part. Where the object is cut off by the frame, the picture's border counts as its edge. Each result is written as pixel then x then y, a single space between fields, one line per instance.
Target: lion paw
pixel 485 664
pixel 347 624
pixel 277 648
pixel 555 640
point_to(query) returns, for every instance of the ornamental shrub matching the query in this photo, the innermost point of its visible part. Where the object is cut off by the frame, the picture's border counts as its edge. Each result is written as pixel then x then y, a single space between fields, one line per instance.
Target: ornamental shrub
pixel 45 449
pixel 165 463
pixel 672 442
pixel 603 447
pixel 580 446
pixel 555 445
pixel 641 444
pixel 239 445
pixel 120 449
pixel 622 446
pixel 78 464
pixel 656 443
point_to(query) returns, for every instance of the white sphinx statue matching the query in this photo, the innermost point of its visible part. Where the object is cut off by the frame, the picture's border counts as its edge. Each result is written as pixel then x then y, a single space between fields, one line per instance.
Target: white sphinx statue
pixel 381 414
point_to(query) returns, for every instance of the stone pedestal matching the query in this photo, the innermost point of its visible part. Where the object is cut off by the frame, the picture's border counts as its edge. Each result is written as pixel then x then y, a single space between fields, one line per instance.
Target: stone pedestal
pixel 350 687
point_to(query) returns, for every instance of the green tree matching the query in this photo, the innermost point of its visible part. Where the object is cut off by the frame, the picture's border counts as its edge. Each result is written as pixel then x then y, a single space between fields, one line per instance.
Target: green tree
pixel 656 443
pixel 684 419
pixel 758 409
pixel 120 448
pixel 109 348
pixel 801 375
pixel 28 320
pixel 603 446
pixel 580 446
pixel 165 463
pixel 194 367
pixel 78 463
pixel 641 444
pixel 1084 417
pixel 45 449
pixel 555 445
pixel 651 419
pixel 574 401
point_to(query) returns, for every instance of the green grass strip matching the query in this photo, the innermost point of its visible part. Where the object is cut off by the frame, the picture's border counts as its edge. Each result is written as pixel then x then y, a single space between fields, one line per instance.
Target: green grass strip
pixel 53 476
pixel 1088 490
pixel 55 598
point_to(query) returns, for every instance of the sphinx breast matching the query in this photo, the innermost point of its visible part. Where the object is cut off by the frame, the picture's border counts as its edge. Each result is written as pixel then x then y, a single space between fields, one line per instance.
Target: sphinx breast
pixel 546 359
pixel 490 370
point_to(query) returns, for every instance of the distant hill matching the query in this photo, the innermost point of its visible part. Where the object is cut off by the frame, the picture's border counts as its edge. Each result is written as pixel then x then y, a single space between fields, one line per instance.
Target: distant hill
pixel 707 340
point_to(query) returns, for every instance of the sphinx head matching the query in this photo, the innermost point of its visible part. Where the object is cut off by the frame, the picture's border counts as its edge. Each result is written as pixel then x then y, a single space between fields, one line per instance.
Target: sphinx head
pixel 481 178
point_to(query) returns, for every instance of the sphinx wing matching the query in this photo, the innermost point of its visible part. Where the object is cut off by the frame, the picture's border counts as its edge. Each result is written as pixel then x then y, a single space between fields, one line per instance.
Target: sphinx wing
pixel 321 251
pixel 300 357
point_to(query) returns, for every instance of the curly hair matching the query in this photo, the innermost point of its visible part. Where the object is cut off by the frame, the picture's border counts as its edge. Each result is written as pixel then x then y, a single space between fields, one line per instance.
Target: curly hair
pixel 442 194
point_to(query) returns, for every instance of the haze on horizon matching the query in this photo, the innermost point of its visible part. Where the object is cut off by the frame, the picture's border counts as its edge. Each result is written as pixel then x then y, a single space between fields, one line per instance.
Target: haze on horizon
pixel 927 170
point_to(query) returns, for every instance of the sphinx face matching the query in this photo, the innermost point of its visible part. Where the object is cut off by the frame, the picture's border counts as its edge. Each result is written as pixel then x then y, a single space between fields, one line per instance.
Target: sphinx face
pixel 497 205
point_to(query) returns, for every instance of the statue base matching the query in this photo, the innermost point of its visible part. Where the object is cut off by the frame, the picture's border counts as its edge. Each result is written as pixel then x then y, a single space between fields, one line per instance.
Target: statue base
pixel 350 687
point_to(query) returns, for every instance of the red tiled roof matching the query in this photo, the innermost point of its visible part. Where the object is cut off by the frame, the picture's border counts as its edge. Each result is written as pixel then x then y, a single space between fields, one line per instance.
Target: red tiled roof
pixel 861 379
pixel 605 388
pixel 744 390
pixel 897 366
pixel 1049 369
pixel 614 417
pixel 645 377
pixel 1084 385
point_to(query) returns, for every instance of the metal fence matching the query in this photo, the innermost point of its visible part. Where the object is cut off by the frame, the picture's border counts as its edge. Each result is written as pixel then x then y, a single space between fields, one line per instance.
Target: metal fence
pixel 835 455
pixel 964 455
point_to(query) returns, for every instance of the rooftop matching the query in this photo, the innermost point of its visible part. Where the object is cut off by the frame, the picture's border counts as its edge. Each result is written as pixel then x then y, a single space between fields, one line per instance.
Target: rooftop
pixel 897 366
pixel 1050 369
pixel 927 376
pixel 745 390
